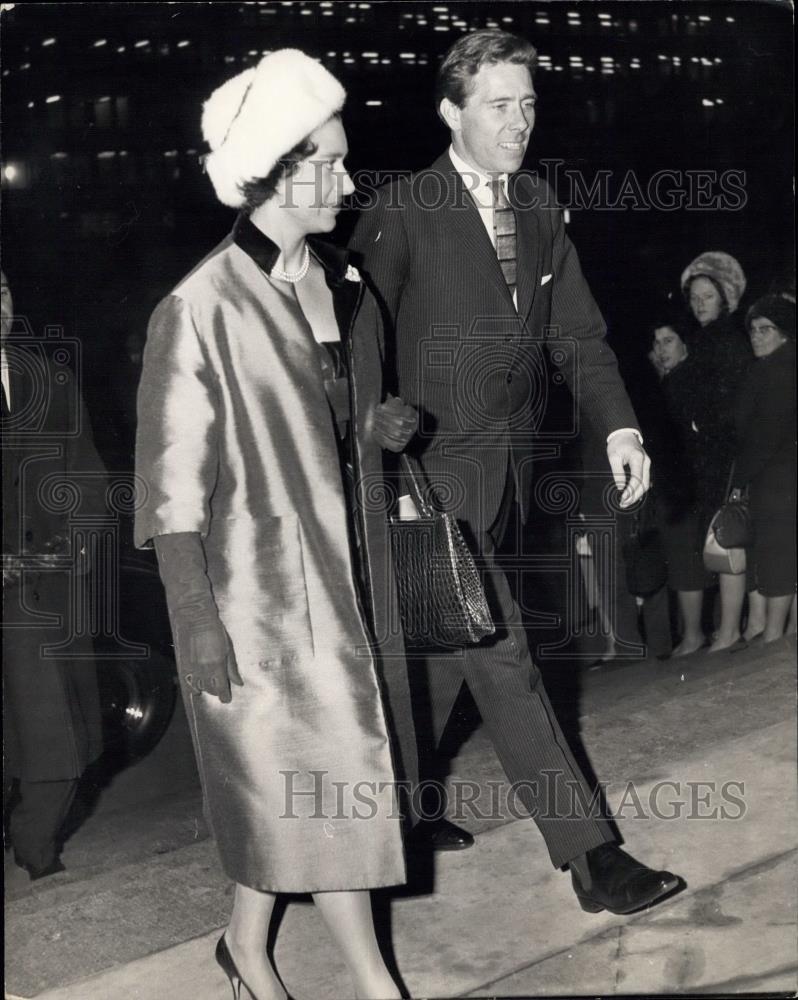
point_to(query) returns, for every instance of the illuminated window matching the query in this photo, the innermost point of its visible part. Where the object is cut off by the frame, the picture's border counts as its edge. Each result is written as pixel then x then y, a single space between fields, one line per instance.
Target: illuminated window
pixel 141 44
pixel 103 112
pixel 53 99
pixel 47 42
pixel 100 43
pixel 373 104
pixel 185 42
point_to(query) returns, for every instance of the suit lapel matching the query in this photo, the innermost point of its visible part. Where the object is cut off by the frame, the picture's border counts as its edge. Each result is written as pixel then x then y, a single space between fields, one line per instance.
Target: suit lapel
pixel 467 227
pixel 529 259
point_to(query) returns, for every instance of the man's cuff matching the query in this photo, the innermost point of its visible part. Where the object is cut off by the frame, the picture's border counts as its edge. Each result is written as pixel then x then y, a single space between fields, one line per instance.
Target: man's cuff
pixel 626 430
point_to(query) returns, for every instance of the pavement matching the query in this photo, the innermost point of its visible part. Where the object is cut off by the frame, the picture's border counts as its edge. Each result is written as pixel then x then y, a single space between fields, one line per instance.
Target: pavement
pixel 697 759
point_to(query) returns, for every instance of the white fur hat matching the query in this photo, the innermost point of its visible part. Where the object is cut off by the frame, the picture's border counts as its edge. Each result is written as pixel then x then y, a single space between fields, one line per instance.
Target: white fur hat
pixel 258 116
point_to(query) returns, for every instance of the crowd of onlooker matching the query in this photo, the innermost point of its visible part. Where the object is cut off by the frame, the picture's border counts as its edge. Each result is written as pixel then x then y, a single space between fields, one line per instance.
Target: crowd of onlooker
pixel 727 423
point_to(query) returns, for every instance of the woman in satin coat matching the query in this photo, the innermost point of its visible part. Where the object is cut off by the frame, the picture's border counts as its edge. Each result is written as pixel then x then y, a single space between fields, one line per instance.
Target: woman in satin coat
pixel 259 440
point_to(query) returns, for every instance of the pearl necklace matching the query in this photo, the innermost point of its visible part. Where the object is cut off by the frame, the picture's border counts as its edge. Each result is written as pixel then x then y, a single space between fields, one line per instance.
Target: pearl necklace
pixel 295 276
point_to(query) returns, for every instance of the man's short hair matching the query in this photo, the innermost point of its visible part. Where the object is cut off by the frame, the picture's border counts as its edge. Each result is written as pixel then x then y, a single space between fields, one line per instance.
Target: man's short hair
pixel 468 54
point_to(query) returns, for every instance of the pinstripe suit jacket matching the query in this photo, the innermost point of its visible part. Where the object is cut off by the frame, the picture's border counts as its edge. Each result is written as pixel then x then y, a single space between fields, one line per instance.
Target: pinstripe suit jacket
pixel 463 354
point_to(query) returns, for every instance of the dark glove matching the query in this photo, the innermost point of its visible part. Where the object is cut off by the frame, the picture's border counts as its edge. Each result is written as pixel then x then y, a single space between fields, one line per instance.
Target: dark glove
pixel 395 423
pixel 206 662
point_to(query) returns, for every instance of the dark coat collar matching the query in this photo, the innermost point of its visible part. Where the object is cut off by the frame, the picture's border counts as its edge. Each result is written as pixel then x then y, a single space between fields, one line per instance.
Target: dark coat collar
pixel 265 251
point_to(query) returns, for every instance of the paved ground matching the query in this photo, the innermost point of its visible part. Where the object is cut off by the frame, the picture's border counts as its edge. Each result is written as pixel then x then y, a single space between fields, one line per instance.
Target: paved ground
pixel 138 912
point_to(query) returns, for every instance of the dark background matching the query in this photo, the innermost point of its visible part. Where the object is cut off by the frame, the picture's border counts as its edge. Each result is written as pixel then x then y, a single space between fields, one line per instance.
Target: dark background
pixel 105 204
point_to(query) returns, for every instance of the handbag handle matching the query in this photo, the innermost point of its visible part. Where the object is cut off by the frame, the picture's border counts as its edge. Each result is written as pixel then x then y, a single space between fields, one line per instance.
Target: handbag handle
pixel 423 506
pixel 730 480
pixel 736 494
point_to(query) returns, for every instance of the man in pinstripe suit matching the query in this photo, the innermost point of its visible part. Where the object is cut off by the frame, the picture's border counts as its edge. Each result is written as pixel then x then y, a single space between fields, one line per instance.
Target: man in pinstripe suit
pixel 477 279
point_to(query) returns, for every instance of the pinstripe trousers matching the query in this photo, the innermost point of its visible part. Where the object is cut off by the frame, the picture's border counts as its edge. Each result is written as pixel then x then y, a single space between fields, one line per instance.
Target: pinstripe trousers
pixel 508 690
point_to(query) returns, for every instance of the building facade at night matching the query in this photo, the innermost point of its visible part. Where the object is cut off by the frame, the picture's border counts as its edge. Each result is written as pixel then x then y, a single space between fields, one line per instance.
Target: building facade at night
pixel 105 202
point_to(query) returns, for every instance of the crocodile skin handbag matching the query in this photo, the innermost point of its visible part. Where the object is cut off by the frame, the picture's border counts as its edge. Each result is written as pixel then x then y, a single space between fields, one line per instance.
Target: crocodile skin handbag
pixel 441 598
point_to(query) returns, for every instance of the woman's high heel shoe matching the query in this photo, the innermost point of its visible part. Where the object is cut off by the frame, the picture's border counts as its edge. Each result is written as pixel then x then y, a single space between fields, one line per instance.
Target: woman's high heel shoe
pixel 225 960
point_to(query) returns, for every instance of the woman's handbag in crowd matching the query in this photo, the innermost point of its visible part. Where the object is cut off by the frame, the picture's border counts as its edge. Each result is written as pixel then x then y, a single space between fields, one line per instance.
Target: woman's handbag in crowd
pixel 728 534
pixel 733 522
pixel 718 559
pixel 643 554
pixel 441 598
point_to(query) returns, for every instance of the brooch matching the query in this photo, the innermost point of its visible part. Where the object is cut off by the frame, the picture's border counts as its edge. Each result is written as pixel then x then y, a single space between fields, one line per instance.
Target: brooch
pixel 352 273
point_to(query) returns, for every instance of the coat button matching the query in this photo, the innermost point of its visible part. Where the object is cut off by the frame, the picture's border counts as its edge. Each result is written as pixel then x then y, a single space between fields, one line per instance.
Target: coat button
pixel 509 377
pixel 28 535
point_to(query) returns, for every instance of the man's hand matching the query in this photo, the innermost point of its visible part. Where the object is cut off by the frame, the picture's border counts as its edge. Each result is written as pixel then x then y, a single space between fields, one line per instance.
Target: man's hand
pixel 205 658
pixel 625 452
pixel 395 423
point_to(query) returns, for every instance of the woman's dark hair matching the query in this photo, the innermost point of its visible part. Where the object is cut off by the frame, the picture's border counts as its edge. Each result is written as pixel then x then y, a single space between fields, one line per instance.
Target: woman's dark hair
pixel 724 302
pixel 778 309
pixel 675 323
pixel 260 189
pixel 464 59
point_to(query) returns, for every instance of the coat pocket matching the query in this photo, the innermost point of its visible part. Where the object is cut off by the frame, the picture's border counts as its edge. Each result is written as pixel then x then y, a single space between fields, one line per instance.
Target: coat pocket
pixel 257 568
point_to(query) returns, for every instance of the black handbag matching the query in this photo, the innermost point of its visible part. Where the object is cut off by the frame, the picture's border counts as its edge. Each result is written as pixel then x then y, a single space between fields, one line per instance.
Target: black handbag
pixel 729 533
pixel 644 555
pixel 441 598
pixel 732 522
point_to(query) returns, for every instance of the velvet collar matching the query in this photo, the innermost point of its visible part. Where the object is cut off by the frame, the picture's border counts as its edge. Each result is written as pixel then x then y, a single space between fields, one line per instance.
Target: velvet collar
pixel 265 251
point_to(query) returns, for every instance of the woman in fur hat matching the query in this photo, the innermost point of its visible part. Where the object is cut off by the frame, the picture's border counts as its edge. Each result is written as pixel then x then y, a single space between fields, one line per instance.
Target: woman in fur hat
pixel 766 465
pixel 719 358
pixel 259 442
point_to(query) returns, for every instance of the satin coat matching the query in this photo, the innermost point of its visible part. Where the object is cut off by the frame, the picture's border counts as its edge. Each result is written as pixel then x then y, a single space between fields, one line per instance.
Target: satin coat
pixel 236 441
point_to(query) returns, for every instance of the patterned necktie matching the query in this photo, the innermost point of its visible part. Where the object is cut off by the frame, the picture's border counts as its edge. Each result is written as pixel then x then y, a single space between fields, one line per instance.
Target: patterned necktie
pixel 504 231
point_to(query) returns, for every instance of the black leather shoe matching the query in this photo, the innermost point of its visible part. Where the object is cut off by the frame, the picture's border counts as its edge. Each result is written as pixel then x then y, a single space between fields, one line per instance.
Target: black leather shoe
pixel 618 883
pixel 440 835
pixel 55 866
